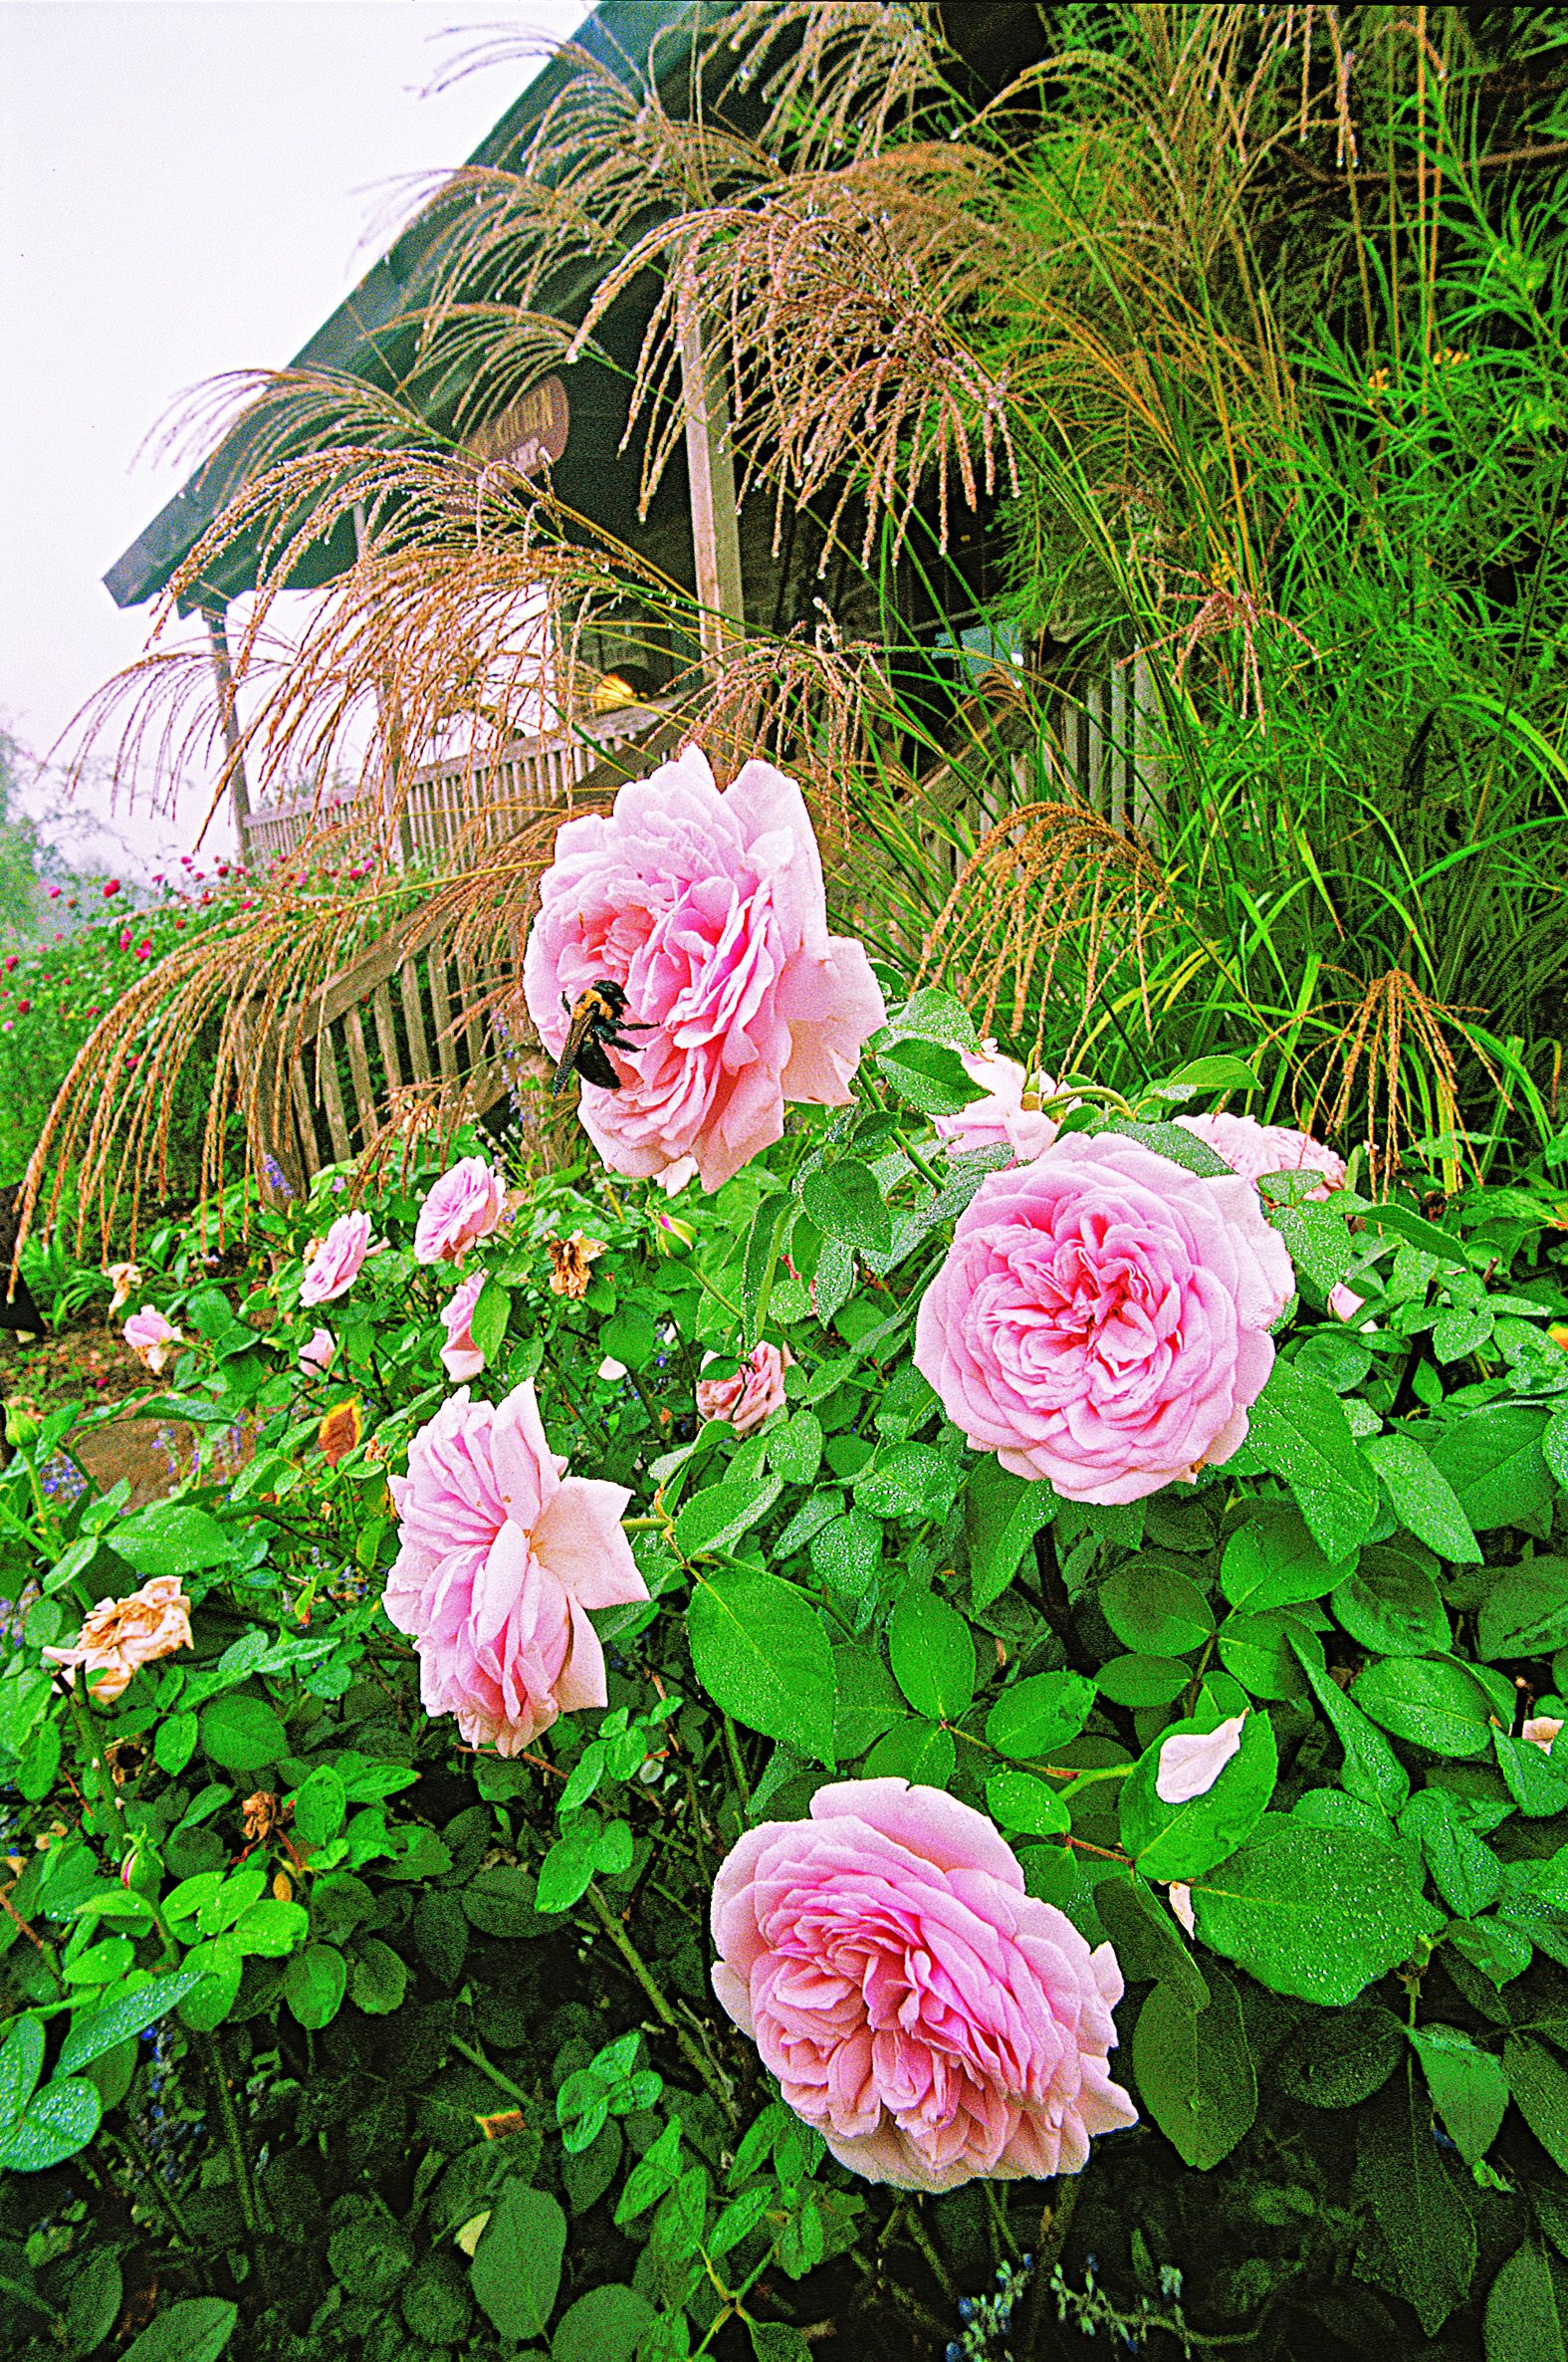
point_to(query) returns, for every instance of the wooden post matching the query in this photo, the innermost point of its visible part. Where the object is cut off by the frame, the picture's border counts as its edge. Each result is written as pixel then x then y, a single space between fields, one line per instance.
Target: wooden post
pixel 216 619
pixel 710 466
pixel 391 720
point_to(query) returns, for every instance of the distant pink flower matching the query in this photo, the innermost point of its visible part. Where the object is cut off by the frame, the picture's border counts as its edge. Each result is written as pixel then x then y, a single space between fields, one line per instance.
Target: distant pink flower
pixel 460 1357
pixel 112 887
pixel 709 910
pixel 23 1006
pixel 143 950
pixel 930 2019
pixel 1191 1761
pixel 1540 1731
pixel 319 1350
pixel 53 893
pixel 1253 1149
pixel 10 961
pixel 125 939
pixel 334 1268
pixel 1001 1119
pixel 152 1338
pixel 502 1556
pixel 749 1393
pixel 460 1209
pixel 1102 1318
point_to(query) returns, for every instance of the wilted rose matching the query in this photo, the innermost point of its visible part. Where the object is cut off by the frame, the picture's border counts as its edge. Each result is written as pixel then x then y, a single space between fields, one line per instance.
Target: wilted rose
pixel 152 1338
pixel 121 1634
pixel 569 1262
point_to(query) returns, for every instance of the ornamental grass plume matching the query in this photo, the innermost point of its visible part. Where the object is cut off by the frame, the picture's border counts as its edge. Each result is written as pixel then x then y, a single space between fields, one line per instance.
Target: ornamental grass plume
pixel 709 910
pixel 119 1635
pixel 1102 1318
pixel 933 2021
pixel 502 1556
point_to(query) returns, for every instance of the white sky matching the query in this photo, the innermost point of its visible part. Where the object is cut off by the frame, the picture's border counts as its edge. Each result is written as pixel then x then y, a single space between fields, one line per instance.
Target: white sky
pixel 186 187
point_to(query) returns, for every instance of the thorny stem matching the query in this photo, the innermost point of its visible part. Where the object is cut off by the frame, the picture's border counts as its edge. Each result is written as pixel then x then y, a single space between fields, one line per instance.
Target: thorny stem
pixel 137 2151
pixel 634 1960
pixel 939 2270
pixel 732 1745
pixel 244 2179
pixel 475 2056
pixel 34 1938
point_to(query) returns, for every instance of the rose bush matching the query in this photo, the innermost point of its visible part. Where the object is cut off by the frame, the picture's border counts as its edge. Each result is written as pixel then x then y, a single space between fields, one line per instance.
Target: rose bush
pixel 988 1592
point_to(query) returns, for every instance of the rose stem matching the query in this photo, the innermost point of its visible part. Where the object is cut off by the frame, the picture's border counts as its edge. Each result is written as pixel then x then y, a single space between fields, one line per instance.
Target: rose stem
pixel 640 1970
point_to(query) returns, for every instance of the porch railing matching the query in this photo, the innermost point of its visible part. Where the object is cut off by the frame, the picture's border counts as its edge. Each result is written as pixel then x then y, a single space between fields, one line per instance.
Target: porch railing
pixel 443 799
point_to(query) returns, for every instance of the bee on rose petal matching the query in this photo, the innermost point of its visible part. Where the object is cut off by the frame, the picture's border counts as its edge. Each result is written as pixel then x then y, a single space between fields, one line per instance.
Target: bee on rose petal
pixel 598 1017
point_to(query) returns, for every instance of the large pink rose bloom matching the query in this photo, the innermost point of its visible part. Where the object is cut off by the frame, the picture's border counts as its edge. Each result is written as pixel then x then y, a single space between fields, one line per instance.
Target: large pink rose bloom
pixel 1102 1316
pixel 1000 1119
pixel 337 1260
pixel 709 911
pixel 502 1556
pixel 460 1209
pixel 749 1393
pixel 933 2021
pixel 1253 1149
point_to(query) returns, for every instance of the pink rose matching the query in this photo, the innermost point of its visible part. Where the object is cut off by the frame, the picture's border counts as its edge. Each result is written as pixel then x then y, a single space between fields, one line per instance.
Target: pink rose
pixel 460 1357
pixel 1102 1318
pixel 462 1208
pixel 1001 1119
pixel 152 1338
pixel 335 1266
pixel 930 2019
pixel 320 1351
pixel 502 1556
pixel 1253 1149
pixel 746 1396
pixel 709 911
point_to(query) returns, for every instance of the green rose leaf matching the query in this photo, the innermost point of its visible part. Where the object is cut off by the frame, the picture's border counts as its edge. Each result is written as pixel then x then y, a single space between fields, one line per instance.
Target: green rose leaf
pixel 1156 1610
pixel 1423 1498
pixel 1430 1702
pixel 1525 1614
pixel 1372 1770
pixel 1272 1561
pixel 1493 1460
pixel 491 1314
pixel 929 1075
pixel 1298 1430
pixel 1043 1712
pixel 516 2270
pixel 127 2012
pixel 1025 1806
pixel 21 2064
pixel 761 1655
pixel 242 1734
pixel 1182 1840
pixel 716 1517
pixel 1526 2320
pixel 380 1979
pixel 1143 1682
pixel 319 1806
pixel 175 1743
pixel 1317 1913
pixel 1391 1605
pixel 932 1650
pixel 845 1203
pixel 1469 2087
pixel 313 1985
pixel 174 1539
pixel 55 2124
pixel 196 2330
pixel 1426 2245
pixel 914 1750
pixel 1538 2081
pixel 1342 2060
pixel 794 1451
pixel 604 2325
pixel 1464 1871
pixel 1195 2072
pixel 1002 1513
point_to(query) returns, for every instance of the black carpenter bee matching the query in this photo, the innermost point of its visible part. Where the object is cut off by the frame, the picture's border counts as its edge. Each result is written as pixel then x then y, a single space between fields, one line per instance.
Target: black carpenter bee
pixel 598 1016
